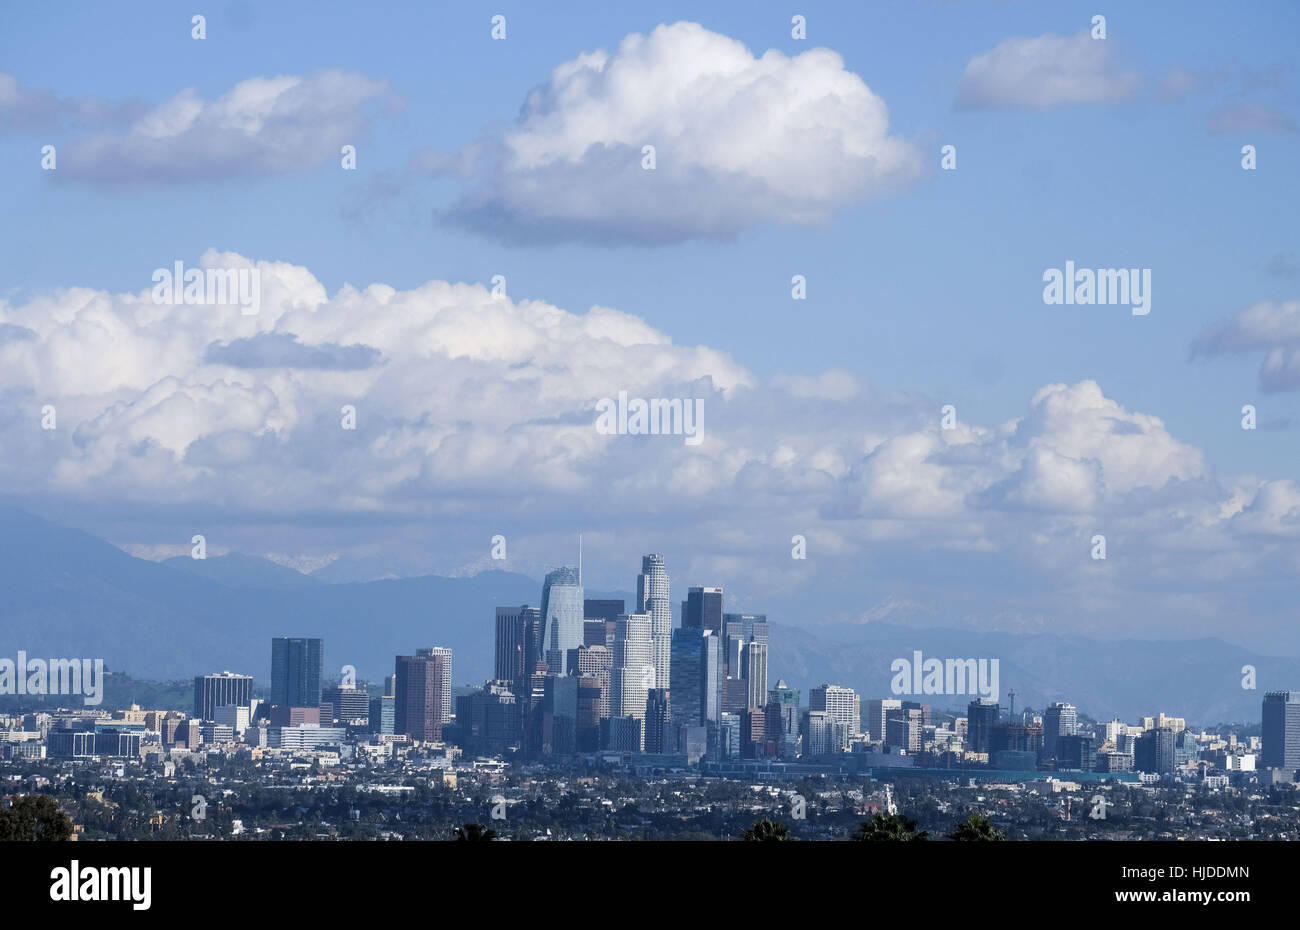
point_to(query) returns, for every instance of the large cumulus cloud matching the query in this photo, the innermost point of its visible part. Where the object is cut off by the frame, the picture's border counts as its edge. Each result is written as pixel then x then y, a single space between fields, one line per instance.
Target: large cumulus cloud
pixel 739 140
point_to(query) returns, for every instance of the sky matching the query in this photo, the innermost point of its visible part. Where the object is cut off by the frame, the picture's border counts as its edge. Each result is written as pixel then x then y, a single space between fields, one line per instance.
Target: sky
pixel 775 156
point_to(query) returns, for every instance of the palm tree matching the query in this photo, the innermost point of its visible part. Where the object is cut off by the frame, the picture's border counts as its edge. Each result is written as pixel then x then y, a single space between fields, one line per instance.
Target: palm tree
pixel 766 830
pixel 891 828
pixel 975 829
pixel 475 833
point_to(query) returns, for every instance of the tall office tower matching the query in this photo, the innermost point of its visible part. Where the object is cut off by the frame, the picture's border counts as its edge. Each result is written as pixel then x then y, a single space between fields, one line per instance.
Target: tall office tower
pixel 1154 751
pixel 445 653
pixel 656 721
pixel 213 691
pixel 596 633
pixel 560 715
pixel 634 670
pixel 843 704
pixel 1281 730
pixel 982 716
pixel 702 609
pixel 297 667
pixel 754 739
pixel 383 714
pixel 737 631
pixel 878 715
pixel 418 704
pixel 753 668
pixel 602 609
pixel 782 722
pixel 652 599
pixel 349 703
pixel 593 706
pixel 697 664
pixel 534 649
pixel 511 643
pixel 561 617
pixel 1060 719
pixel 598 662
pixel 926 711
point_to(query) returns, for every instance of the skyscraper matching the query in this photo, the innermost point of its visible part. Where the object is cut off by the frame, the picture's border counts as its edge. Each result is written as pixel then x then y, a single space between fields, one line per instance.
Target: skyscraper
pixel 753 668
pixel 702 609
pixel 656 721
pixel 634 671
pixel 418 704
pixel 843 704
pixel 697 660
pixel 1060 719
pixel 652 599
pixel 1281 730
pixel 297 667
pixel 445 653
pixel 511 644
pixel 561 617
pixel 213 691
pixel 982 715
pixel 878 711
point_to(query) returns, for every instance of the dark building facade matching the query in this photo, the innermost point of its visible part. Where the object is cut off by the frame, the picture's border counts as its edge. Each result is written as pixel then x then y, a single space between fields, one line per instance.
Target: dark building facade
pixel 297 667
pixel 213 691
pixel 1281 730
pixel 418 701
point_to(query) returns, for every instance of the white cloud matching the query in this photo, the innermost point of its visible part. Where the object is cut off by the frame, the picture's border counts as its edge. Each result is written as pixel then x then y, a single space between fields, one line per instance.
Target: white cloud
pixel 1045 71
pixel 261 126
pixel 1270 326
pixel 481 413
pixel 739 141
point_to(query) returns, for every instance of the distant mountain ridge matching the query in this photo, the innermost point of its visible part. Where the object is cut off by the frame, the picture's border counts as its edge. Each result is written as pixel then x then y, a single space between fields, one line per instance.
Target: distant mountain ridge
pixel 66 593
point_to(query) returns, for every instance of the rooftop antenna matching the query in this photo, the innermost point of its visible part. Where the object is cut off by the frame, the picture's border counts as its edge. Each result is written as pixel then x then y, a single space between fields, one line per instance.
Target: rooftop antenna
pixel 579 560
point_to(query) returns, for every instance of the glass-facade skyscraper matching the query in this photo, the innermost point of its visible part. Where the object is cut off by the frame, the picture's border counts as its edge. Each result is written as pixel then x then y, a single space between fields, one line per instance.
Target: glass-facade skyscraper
pixel 702 609
pixel 697 671
pixel 297 666
pixel 561 617
pixel 1281 730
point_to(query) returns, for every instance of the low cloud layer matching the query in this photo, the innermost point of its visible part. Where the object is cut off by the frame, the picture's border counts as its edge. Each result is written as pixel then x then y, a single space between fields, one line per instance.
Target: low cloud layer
pixel 480 411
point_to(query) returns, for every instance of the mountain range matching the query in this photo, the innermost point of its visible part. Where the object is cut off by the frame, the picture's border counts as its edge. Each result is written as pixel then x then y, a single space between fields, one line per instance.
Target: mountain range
pixel 66 593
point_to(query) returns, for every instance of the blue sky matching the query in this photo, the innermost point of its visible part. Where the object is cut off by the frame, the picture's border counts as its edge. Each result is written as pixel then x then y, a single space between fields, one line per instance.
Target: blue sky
pixel 928 290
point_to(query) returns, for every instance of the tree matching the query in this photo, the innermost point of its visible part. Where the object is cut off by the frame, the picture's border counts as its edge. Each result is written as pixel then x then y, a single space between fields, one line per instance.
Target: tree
pixel 34 818
pixel 894 828
pixel 765 831
pixel 475 833
pixel 976 829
